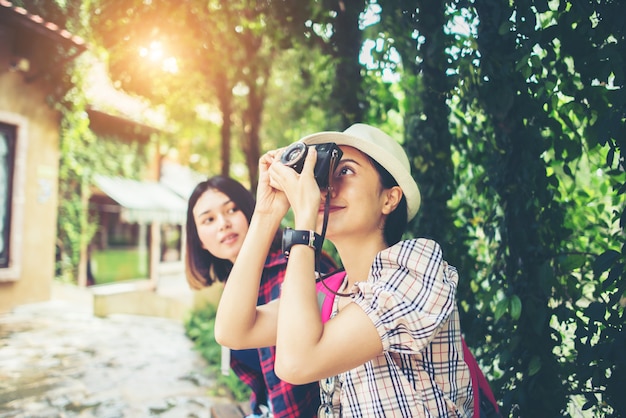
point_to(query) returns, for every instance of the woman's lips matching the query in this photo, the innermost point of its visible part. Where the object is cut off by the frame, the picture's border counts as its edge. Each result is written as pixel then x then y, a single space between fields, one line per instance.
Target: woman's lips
pixel 229 239
pixel 330 209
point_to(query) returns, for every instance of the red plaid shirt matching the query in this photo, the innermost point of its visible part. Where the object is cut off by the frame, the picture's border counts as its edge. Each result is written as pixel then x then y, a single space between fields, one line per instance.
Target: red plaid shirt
pixel 286 400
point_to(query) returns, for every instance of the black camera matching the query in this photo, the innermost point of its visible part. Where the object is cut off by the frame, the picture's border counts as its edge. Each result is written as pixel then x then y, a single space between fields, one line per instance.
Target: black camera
pixel 328 156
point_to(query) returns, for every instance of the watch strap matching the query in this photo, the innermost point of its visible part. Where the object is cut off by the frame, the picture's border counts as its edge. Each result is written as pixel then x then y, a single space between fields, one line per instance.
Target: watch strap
pixel 293 237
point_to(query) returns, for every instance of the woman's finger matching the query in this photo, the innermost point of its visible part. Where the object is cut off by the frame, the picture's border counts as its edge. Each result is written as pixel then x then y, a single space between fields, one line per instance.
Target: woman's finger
pixel 309 162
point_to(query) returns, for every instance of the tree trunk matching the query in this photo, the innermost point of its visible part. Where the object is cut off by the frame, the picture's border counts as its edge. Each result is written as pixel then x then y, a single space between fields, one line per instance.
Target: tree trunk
pixel 225 98
pixel 347 101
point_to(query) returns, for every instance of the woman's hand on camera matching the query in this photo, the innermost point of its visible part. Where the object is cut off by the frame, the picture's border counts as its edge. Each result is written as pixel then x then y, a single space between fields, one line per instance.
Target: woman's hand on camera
pixel 269 199
pixel 301 189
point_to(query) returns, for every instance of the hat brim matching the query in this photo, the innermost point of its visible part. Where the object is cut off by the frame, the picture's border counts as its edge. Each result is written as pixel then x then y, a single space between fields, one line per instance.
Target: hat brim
pixel 400 170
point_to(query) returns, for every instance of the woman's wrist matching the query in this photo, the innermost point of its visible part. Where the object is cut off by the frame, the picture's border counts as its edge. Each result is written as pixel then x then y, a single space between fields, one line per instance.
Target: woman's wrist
pixel 306 221
pixel 266 219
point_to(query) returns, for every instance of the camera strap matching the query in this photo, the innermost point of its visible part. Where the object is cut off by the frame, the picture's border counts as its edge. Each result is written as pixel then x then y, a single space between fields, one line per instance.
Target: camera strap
pixel 326 210
pixel 318 254
pixel 333 163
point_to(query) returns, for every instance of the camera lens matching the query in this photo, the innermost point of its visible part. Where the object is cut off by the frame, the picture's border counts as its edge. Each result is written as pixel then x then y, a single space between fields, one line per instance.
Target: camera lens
pixel 295 153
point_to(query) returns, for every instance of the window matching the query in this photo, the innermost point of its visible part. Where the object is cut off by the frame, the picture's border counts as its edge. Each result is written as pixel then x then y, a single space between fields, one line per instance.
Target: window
pixel 13 147
pixel 7 163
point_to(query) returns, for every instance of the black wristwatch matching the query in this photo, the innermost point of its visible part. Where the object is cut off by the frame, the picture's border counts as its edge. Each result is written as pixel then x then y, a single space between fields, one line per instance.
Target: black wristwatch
pixel 293 237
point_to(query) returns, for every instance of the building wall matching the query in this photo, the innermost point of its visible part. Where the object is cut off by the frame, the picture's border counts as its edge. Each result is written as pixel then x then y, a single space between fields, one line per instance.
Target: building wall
pixel 33 237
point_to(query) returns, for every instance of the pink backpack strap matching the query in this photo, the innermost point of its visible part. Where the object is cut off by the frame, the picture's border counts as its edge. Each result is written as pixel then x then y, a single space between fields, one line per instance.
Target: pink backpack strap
pixel 473 365
pixel 325 297
pixel 480 385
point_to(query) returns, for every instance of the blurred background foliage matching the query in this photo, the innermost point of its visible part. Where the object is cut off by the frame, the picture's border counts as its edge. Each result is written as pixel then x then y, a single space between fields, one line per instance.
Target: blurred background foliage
pixel 513 114
pixel 199 328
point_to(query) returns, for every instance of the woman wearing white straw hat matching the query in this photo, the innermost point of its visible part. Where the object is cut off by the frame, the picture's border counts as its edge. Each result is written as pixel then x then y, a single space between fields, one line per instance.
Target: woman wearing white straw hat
pixel 392 347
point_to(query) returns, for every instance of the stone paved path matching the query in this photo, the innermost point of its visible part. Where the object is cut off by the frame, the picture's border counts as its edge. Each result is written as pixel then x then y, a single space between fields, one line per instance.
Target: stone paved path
pixel 58 360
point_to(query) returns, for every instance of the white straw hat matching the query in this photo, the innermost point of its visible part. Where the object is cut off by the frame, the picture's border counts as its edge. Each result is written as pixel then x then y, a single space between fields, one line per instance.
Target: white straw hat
pixel 380 147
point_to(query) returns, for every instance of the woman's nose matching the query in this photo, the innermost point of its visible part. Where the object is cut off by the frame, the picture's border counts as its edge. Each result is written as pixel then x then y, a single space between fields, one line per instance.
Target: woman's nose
pixel 224 222
pixel 328 192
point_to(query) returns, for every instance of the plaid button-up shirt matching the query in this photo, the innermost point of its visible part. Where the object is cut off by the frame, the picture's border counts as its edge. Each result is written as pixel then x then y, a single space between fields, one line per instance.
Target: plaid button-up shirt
pixel 410 297
pixel 286 400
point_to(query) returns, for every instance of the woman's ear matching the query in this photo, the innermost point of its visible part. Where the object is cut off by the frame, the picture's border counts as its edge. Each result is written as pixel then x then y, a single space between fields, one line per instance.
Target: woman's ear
pixel 392 197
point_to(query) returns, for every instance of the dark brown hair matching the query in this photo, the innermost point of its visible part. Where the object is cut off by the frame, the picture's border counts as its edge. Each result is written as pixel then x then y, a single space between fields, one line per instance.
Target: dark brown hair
pixel 397 221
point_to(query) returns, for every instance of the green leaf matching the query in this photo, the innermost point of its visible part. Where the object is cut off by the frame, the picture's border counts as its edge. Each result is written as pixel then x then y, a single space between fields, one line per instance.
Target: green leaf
pixel 501 308
pixel 604 261
pixel 534 366
pixel 504 28
pixel 595 311
pixel 572 262
pixel 515 307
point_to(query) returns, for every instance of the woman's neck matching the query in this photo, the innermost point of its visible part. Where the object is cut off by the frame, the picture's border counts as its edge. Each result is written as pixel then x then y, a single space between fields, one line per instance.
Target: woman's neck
pixel 357 258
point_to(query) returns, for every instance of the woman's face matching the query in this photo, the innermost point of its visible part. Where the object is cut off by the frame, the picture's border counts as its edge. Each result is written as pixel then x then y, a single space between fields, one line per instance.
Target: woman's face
pixel 357 200
pixel 221 225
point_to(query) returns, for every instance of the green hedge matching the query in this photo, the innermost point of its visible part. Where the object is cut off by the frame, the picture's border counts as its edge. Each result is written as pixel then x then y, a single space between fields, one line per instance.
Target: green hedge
pixel 199 328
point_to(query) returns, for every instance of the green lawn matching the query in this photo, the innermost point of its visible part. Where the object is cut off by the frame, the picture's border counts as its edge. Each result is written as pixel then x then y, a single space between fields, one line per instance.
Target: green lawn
pixel 114 265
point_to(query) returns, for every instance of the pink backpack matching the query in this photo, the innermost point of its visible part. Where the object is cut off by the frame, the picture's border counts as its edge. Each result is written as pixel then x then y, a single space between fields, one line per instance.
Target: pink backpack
pixel 485 405
pixel 325 295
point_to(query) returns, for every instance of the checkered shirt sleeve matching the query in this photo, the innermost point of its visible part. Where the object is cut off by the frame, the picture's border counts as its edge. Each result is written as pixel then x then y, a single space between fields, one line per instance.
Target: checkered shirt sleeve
pixel 410 297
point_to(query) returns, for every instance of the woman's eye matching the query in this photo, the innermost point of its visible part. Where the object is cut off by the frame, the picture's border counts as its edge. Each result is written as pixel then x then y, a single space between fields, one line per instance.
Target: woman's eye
pixel 344 170
pixel 233 210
